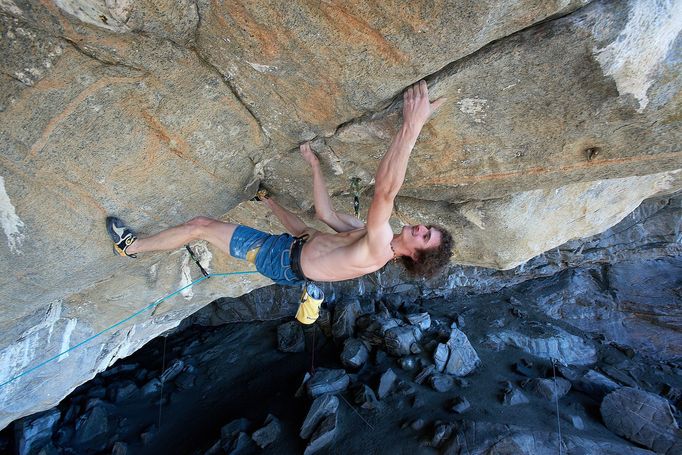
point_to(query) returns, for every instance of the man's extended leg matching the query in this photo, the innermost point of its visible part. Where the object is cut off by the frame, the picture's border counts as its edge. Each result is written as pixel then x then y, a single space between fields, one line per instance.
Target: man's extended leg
pixel 213 231
pixel 340 222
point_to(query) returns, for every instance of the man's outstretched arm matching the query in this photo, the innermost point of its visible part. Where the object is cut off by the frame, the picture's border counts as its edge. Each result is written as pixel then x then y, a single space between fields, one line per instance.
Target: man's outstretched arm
pixel 291 222
pixel 391 172
pixel 338 221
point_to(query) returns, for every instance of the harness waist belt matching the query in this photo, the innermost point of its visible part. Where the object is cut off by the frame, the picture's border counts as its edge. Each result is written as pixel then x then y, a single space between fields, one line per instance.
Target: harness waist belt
pixel 296 249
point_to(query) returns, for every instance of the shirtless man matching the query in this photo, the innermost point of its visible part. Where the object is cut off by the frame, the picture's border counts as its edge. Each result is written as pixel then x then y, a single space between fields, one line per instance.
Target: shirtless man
pixel 354 250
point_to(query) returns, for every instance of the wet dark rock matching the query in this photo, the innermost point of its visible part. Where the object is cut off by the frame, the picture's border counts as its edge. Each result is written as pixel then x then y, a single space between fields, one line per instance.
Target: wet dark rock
pixel 424 374
pixel 462 357
pixel 440 356
pixel 408 363
pixel 153 387
pixel 525 367
pixel 550 389
pixel 322 407
pixel 266 435
pixel 474 437
pixel 97 392
pixel 595 384
pixel 421 320
pixel 442 382
pixel 577 422
pixel 345 315
pixel 323 435
pixel 121 391
pixel 644 418
pixel 441 433
pixel 399 340
pixel 290 337
pixel 327 381
pixel 459 405
pixel 418 424
pixel 186 379
pixel 64 435
pixel 233 436
pixel 148 435
pixel 34 432
pixel 548 342
pixel 241 444
pixel 375 333
pixel 172 370
pixel 386 384
pixel 619 376
pixel 92 428
pixel 120 368
pixel 354 354
pixel 119 448
pixel 365 397
pixel 512 396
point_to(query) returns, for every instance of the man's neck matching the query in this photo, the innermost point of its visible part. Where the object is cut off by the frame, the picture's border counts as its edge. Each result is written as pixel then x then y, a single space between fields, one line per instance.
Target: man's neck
pixel 398 247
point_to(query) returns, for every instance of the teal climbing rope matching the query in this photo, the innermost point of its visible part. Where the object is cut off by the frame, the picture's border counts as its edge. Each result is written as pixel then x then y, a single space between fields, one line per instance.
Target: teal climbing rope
pixel 123 321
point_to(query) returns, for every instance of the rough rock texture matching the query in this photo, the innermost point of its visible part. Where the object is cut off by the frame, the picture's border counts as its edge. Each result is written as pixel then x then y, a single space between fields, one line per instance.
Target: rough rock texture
pixel 644 418
pixel 474 438
pixel 562 117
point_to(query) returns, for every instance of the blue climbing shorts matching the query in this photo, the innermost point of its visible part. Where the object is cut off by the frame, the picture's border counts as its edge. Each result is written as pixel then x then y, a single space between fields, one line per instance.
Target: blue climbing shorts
pixel 271 254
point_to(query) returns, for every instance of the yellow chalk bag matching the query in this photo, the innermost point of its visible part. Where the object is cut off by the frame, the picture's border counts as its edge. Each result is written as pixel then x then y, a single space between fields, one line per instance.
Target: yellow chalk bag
pixel 309 305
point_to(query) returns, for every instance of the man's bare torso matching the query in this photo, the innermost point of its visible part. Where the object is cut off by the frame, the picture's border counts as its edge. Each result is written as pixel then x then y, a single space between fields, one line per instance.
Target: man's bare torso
pixel 340 256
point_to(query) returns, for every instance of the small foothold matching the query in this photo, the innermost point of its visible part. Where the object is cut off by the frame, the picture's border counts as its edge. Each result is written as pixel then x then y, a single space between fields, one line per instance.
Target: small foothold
pixel 103 18
pixel 591 153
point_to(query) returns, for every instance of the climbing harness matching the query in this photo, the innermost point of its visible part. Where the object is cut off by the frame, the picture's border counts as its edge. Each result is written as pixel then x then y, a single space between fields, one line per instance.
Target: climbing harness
pixel 123 321
pixel 355 188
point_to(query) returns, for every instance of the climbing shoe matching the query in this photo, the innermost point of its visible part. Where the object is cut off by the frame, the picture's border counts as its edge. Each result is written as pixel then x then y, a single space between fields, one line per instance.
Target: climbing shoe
pixel 122 236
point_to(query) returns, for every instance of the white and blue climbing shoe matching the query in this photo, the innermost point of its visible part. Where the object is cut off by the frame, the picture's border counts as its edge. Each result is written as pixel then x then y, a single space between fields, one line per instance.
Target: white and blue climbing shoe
pixel 121 235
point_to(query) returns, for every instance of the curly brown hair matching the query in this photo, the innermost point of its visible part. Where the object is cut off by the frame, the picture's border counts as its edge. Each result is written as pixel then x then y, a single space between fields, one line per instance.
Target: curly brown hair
pixel 430 262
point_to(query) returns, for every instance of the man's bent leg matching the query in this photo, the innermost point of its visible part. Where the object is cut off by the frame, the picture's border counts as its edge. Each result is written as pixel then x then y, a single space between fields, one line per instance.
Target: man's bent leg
pixel 213 231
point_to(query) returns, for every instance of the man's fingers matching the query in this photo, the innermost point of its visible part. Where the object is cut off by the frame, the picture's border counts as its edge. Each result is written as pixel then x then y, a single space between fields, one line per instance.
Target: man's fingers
pixel 436 104
pixel 410 93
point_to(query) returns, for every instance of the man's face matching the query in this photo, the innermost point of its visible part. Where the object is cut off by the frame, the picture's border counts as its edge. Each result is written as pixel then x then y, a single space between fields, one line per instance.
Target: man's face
pixel 421 237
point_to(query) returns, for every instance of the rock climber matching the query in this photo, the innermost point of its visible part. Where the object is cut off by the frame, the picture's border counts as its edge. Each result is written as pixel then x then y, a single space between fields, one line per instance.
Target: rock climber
pixel 306 254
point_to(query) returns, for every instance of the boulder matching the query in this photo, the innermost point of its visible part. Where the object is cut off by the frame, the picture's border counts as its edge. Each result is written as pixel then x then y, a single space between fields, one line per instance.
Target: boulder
pixel 266 435
pixel 421 320
pixel 462 357
pixel 32 433
pixel 442 382
pixel 386 384
pixel 399 340
pixel 595 384
pixel 323 435
pixel 550 389
pixel 322 407
pixel 643 418
pixel 460 405
pixel 327 381
pixel 290 337
pixel 345 314
pixel 354 354
pixel 92 428
pixel 548 342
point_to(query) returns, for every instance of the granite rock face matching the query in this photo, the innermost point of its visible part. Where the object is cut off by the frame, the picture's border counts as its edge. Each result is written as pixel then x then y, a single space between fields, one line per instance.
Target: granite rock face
pixel 562 116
